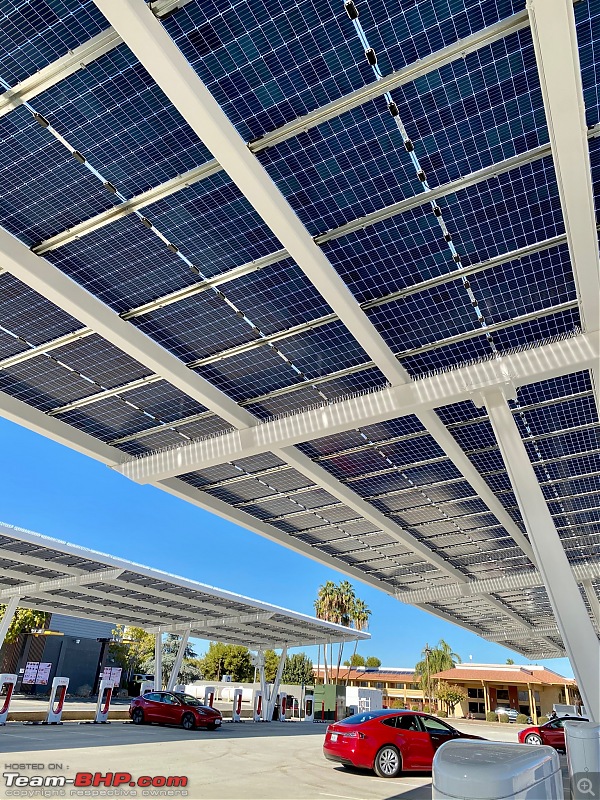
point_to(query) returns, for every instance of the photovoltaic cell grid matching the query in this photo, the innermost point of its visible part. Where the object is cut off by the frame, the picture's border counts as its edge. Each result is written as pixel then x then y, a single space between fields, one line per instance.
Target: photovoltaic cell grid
pixel 279 59
pixel 35 33
pixel 587 19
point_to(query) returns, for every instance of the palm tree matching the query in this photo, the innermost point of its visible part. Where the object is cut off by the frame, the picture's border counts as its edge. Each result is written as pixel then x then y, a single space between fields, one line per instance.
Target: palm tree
pixel 325 609
pixel 345 602
pixel 435 659
pixel 360 622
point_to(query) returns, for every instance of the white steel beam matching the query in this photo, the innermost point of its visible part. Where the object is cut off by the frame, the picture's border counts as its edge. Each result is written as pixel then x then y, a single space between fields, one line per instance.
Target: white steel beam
pixel 7 618
pixel 561 357
pixel 158 653
pixel 521 579
pixel 178 661
pixel 64 292
pixel 557 55
pixel 205 624
pixel 572 617
pixel 30 589
pixel 592 599
pixel 275 688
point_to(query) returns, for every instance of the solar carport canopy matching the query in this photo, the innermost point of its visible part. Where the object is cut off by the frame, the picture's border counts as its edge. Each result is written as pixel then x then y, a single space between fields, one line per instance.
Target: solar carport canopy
pixel 329 270
pixel 57 577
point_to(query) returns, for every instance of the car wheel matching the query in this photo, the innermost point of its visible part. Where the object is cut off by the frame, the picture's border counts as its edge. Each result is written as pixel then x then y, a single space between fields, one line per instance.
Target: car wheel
pixel 137 716
pixel 388 763
pixel 533 738
pixel 188 722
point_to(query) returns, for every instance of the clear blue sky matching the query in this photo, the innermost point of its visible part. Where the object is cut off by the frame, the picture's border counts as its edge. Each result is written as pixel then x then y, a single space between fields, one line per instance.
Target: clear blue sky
pixel 53 490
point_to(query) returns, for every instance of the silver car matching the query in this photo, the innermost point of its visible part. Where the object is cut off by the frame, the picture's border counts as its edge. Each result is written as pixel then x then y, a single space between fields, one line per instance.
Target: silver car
pixel 511 713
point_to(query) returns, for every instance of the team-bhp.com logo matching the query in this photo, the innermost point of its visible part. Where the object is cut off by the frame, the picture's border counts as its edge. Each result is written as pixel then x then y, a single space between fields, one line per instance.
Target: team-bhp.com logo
pixel 94 784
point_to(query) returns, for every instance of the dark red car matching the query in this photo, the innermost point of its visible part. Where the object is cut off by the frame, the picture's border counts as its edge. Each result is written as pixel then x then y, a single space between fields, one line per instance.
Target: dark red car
pixel 551 733
pixel 388 741
pixel 174 708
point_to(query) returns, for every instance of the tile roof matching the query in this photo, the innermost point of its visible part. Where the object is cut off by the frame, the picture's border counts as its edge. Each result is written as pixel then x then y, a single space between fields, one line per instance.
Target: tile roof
pixel 522 675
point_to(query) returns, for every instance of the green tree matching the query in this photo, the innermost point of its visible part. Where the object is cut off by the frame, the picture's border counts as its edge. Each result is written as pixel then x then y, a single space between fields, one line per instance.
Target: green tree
pixel 325 609
pixel 227 659
pixel 373 661
pixel 271 664
pixel 298 669
pixel 356 660
pixel 188 671
pixel 450 694
pixel 435 659
pixel 510 661
pixel 340 605
pixel 24 620
pixel 132 646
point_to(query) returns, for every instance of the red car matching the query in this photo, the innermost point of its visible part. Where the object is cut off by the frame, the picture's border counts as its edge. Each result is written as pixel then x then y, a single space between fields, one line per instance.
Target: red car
pixel 174 708
pixel 551 733
pixel 388 741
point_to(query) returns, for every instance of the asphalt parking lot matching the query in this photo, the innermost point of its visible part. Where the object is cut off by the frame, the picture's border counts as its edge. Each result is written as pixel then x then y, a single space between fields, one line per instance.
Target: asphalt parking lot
pixel 245 760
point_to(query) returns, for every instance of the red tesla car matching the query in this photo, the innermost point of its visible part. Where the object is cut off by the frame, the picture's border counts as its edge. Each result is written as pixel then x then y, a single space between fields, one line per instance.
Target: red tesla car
pixel 174 708
pixel 388 741
pixel 551 733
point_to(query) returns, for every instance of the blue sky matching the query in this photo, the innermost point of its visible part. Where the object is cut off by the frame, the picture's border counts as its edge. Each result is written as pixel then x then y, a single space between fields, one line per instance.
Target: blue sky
pixel 55 491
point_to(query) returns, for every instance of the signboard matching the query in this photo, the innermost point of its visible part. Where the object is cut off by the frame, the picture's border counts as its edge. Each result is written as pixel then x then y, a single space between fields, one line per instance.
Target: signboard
pixel 37 672
pixel 112 674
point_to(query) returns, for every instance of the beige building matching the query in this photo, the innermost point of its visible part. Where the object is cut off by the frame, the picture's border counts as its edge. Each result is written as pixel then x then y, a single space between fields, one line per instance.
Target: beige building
pixel 396 683
pixel 530 689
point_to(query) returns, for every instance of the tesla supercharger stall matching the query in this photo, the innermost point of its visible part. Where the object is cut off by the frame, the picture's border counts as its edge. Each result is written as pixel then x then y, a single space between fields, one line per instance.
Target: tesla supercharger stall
pixel 57 700
pixel 209 696
pixel 309 708
pixel 7 681
pixel 282 706
pixel 257 706
pixel 237 706
pixel 103 705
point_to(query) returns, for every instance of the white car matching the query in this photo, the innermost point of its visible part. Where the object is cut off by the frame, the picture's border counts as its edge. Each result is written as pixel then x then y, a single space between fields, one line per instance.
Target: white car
pixel 511 713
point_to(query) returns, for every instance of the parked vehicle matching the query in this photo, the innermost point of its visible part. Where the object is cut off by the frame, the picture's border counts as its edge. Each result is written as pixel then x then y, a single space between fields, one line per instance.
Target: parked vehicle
pixel 551 733
pixel 174 708
pixel 388 741
pixel 511 713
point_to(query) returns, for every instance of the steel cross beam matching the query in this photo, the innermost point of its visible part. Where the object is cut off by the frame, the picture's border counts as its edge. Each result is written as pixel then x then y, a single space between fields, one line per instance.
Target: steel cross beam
pixel 557 55
pixel 8 616
pixel 203 624
pixel 29 589
pixel 178 661
pixel 572 618
pixel 560 357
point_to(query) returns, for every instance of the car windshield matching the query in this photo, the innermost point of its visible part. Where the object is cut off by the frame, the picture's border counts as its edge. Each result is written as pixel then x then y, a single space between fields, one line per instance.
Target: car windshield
pixel 188 699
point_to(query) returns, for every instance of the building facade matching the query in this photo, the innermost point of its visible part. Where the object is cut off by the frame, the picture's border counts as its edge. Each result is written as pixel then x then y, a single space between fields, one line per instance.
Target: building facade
pixel 529 689
pixel 399 685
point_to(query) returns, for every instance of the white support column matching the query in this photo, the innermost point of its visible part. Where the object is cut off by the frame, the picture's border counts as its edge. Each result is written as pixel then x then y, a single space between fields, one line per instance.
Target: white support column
pixel 592 599
pixel 9 613
pixel 157 662
pixel 271 704
pixel 572 618
pixel 555 44
pixel 178 661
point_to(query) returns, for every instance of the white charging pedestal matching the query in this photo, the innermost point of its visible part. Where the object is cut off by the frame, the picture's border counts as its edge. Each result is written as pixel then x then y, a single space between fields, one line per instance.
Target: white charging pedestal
pixel 103 705
pixel 7 680
pixel 257 706
pixel 309 708
pixel 56 702
pixel 209 696
pixel 237 706
pixel 282 706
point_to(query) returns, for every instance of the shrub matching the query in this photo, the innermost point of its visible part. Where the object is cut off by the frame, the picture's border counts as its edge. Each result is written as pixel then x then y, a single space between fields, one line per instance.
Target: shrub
pixel 502 717
pixel 442 713
pixel 83 691
pixel 426 709
pixel 521 719
pixel 542 720
pixel 491 716
pixel 414 708
pixel 397 703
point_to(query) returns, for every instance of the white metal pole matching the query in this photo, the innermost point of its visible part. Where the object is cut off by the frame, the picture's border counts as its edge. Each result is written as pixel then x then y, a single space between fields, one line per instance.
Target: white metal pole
pixel 276 682
pixel 9 613
pixel 573 620
pixel 157 662
pixel 178 661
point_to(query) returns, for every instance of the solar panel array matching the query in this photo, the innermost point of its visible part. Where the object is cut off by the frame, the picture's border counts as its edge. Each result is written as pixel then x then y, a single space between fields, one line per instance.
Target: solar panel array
pixel 479 270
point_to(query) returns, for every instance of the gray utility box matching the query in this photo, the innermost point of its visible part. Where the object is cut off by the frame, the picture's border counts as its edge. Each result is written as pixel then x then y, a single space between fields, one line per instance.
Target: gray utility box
pixel 583 756
pixel 472 770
